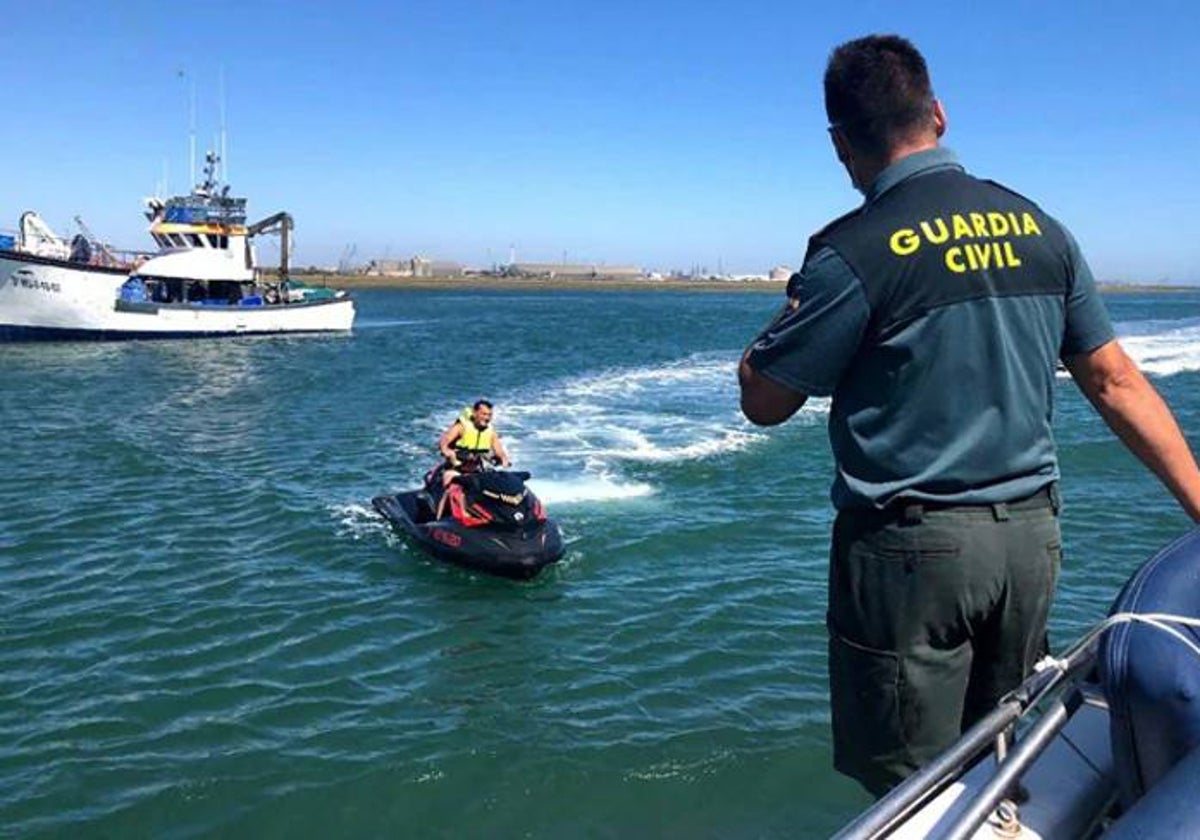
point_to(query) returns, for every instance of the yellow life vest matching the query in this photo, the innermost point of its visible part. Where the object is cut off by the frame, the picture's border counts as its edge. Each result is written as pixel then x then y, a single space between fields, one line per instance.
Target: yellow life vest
pixel 472 439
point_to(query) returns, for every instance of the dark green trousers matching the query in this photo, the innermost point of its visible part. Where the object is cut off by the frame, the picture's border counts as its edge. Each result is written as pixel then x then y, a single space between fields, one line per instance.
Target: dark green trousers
pixel 934 614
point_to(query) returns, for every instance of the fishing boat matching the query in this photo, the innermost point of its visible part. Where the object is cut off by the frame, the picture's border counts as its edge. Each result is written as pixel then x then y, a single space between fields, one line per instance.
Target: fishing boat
pixel 203 279
pixel 1102 741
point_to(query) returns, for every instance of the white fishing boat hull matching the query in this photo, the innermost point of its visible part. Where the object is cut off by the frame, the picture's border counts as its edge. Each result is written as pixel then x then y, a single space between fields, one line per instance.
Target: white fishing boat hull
pixel 46 298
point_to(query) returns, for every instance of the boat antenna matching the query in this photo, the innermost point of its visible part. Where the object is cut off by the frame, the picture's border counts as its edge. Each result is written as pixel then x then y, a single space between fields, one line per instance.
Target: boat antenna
pixel 224 151
pixel 191 126
pixel 192 137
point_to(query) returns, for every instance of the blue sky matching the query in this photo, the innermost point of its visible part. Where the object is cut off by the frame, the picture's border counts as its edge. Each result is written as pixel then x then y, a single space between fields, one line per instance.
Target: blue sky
pixel 663 134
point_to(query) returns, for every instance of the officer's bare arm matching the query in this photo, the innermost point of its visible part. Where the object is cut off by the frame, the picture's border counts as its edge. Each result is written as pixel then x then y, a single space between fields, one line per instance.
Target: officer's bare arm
pixel 1133 409
pixel 765 402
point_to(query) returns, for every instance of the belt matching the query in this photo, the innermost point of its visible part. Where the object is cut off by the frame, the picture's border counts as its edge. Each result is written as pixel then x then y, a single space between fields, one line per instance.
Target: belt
pixel 912 511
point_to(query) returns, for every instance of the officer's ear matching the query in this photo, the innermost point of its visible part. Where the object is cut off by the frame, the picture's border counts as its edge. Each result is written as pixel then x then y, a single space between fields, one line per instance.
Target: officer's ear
pixel 840 145
pixel 939 118
pixel 845 154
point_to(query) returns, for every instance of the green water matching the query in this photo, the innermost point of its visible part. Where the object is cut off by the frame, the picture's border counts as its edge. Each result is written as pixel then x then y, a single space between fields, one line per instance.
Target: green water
pixel 206 631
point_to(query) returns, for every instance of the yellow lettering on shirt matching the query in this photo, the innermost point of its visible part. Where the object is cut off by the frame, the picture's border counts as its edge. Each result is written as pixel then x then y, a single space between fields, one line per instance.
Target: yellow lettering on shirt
pixel 961 228
pixel 997 224
pixel 972 260
pixel 991 234
pixel 980 256
pixel 954 260
pixel 979 225
pixel 904 242
pixel 943 233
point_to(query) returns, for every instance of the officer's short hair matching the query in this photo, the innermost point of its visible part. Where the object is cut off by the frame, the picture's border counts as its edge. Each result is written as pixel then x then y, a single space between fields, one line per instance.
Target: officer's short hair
pixel 481 404
pixel 877 92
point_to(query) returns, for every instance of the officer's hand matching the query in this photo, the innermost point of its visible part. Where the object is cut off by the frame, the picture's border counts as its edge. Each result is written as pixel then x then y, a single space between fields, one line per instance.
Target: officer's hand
pixel 793 286
pixel 454 462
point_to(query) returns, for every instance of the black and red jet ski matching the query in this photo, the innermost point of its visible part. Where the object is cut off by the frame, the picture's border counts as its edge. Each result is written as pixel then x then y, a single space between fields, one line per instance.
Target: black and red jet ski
pixel 491 523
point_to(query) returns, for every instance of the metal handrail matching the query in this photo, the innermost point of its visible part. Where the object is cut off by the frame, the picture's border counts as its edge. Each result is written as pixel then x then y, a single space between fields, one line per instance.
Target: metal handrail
pixel 898 804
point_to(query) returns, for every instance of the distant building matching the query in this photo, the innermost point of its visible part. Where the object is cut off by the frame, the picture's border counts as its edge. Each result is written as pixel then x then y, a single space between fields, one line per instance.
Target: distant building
pixel 416 267
pixel 575 270
pixel 781 272
pixel 422 267
pixel 389 268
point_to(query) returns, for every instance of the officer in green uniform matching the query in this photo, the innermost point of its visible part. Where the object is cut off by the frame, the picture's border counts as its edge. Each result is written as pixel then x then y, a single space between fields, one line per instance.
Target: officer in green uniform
pixel 934 316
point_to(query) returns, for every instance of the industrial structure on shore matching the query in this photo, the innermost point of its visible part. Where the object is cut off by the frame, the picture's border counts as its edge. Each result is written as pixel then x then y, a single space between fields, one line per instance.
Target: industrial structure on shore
pixel 424 267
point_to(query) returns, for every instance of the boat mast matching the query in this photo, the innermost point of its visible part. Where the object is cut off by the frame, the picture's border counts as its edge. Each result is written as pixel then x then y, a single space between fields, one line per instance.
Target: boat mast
pixel 192 136
pixel 224 151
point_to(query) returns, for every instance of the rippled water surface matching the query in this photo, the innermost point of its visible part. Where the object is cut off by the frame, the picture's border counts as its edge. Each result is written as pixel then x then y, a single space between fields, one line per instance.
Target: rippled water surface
pixel 207 631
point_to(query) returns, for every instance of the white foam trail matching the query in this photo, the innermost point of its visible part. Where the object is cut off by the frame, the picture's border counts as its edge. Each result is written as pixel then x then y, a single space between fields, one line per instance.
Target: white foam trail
pixel 1165 352
pixel 815 407
pixel 576 436
pixel 695 373
pixel 1160 348
pixel 386 323
pixel 356 520
pixel 641 448
pixel 587 489
pixel 680 410
pixel 417 447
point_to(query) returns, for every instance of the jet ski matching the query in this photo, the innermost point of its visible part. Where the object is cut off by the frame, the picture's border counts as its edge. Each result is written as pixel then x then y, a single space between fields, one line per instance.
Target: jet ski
pixel 491 522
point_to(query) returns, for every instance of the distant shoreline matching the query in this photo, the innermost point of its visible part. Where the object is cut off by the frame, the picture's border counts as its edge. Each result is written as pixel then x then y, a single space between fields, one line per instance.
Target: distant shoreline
pixel 1134 289
pixel 477 282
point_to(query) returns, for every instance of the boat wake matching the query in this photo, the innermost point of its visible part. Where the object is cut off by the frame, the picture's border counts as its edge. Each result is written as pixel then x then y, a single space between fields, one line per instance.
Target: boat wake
pixel 356 521
pixel 386 323
pixel 1163 348
pixel 587 489
pixel 1160 348
pixel 583 437
pixel 601 435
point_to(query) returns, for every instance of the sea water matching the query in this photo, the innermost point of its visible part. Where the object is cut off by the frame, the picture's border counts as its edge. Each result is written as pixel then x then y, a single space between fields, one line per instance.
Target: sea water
pixel 205 629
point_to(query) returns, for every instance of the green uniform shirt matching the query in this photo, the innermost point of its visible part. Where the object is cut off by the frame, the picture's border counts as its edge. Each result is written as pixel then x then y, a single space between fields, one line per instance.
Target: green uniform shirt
pixel 934 316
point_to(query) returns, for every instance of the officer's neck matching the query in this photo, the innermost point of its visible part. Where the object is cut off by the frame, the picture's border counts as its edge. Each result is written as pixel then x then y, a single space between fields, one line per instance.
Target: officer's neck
pixel 867 169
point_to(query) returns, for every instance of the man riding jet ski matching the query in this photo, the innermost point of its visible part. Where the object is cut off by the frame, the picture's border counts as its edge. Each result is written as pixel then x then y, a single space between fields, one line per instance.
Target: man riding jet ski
pixel 472 514
pixel 470 439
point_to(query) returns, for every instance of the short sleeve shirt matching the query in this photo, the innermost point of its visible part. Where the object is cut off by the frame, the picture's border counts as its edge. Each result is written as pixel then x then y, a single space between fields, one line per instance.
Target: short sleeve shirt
pixel 971 423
